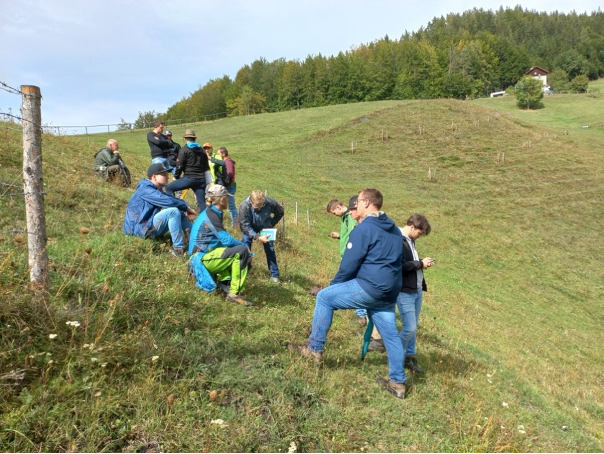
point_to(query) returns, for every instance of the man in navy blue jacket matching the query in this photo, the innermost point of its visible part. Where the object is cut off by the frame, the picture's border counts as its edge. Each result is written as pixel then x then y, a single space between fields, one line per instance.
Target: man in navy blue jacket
pixel 369 277
pixel 151 212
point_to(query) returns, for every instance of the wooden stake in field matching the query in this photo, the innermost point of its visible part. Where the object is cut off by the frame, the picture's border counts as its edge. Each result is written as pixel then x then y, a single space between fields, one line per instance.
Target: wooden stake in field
pixel 308 217
pixel 283 221
pixel 33 185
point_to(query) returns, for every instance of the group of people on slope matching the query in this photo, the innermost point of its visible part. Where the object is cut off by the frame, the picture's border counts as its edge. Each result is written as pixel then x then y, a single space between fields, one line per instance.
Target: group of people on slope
pixel 216 258
pixel 380 269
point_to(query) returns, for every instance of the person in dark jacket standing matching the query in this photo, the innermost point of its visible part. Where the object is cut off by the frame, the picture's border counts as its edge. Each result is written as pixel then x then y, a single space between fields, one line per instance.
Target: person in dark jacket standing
pixel 258 212
pixel 160 145
pixel 152 213
pixel 172 152
pixel 409 301
pixel 369 277
pixel 193 162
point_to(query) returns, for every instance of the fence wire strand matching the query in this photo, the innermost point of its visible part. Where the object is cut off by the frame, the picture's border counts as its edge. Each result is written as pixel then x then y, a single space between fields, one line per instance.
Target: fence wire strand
pixel 10 89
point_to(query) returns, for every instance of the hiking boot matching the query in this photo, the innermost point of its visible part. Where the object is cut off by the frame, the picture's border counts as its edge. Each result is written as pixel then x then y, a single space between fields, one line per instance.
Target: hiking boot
pixel 376 345
pixel 306 352
pixel 237 299
pixel 398 389
pixel 362 320
pixel 180 253
pixel 275 280
pixel 224 286
pixel 411 364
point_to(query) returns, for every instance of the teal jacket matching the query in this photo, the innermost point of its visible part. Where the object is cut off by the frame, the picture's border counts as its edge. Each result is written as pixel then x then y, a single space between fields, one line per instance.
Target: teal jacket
pixel 346 226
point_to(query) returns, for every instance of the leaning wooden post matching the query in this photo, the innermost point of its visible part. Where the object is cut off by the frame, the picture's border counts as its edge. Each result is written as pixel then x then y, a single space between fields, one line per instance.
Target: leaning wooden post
pixel 33 185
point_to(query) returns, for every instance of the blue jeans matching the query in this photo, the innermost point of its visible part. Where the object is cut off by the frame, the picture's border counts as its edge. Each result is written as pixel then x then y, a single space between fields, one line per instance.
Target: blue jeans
pixel 409 306
pixel 269 250
pixel 232 207
pixel 198 186
pixel 165 162
pixel 350 295
pixel 173 220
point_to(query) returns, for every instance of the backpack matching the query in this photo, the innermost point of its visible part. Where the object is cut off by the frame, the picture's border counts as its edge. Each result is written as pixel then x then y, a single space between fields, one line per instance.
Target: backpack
pixel 222 177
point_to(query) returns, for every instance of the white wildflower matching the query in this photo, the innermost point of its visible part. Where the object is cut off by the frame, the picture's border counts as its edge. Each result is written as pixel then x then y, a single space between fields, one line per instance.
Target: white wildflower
pixel 504 404
pixel 219 422
pixel 52 336
pixel 292 447
pixel 522 431
pixel 94 360
pixel 521 427
pixel 74 323
pixel 154 358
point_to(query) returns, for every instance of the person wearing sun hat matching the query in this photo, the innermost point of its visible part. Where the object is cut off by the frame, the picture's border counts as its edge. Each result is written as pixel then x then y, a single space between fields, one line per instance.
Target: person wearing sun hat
pixel 215 254
pixel 193 162
pixel 152 213
pixel 214 161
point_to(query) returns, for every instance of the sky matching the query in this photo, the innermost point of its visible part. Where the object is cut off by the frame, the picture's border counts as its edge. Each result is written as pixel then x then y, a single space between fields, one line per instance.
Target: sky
pixel 98 62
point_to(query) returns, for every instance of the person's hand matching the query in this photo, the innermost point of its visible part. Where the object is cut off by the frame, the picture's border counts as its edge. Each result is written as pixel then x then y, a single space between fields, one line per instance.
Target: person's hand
pixel 428 262
pixel 264 239
pixel 191 214
pixel 335 235
pixel 314 290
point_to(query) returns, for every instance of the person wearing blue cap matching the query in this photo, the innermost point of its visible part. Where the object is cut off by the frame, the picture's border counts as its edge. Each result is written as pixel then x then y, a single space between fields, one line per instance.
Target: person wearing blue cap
pixel 152 213
pixel 172 152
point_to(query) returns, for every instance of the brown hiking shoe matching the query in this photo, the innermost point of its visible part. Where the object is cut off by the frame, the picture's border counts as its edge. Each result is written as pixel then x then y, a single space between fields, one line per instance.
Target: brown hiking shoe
pixel 237 299
pixel 398 389
pixel 306 352
pixel 376 345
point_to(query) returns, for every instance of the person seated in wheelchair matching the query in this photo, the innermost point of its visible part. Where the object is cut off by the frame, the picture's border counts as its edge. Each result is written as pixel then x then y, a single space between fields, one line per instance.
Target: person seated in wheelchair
pixel 109 165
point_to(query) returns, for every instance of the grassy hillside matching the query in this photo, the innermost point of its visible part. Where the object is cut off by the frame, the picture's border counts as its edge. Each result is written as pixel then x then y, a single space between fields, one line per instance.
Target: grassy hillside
pixel 510 332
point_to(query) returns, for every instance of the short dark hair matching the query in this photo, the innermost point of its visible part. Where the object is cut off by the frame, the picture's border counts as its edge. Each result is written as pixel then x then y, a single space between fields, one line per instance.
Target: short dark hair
pixel 373 195
pixel 420 222
pixel 333 203
pixel 156 123
pixel 223 150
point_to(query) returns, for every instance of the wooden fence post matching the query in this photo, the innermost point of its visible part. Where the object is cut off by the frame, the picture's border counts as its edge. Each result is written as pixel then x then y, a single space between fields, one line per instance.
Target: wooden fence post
pixel 33 186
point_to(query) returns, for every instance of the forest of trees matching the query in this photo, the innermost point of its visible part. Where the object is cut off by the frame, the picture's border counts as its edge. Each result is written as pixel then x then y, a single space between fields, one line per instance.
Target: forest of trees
pixel 462 55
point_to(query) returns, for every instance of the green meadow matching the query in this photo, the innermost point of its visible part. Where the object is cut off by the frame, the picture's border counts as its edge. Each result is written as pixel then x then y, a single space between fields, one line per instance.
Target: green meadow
pixel 511 328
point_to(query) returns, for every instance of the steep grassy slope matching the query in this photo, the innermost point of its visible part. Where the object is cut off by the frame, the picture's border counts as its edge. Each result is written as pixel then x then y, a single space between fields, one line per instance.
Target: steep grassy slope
pixel 510 332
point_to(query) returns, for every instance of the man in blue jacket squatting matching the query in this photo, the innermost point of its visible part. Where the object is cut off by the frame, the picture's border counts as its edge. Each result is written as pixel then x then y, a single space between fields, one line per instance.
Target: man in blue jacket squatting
pixel 370 277
pixel 151 212
pixel 215 254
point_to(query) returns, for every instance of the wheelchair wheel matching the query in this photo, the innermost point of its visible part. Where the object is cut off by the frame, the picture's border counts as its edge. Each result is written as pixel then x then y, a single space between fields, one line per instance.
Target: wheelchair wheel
pixel 126 178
